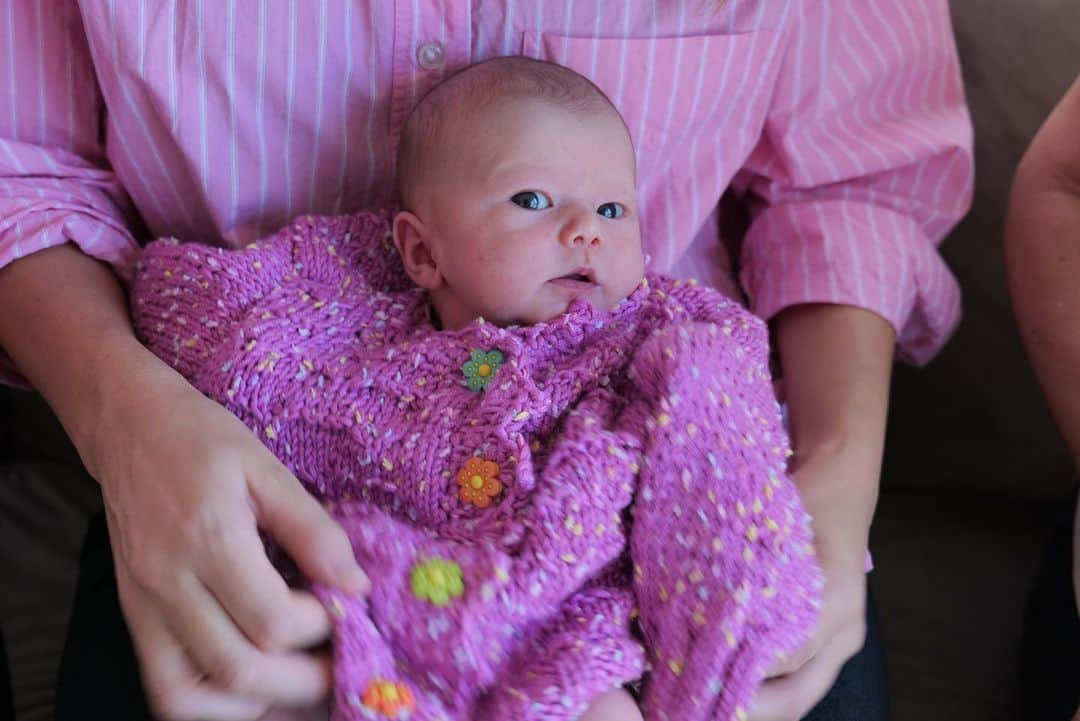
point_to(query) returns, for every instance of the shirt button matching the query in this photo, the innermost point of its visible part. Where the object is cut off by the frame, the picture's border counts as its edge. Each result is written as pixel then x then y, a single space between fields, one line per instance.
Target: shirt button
pixel 430 56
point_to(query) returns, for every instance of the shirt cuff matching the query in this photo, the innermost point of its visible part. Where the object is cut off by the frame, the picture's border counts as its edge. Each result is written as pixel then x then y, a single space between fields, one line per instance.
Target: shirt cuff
pixel 853 253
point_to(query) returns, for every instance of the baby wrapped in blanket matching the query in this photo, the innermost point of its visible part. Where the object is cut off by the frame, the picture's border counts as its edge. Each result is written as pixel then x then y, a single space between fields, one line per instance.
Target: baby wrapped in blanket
pixel 563 476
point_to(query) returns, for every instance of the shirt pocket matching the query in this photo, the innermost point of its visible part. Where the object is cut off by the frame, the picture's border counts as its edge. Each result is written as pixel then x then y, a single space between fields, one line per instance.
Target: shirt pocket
pixel 672 90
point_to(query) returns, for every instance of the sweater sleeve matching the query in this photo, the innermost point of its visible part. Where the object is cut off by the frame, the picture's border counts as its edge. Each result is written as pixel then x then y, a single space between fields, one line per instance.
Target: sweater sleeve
pixel 186 298
pixel 724 572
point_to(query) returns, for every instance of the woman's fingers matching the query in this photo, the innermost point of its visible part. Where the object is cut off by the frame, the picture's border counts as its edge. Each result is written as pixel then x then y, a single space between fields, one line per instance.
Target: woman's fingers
pixel 301 526
pixel 790 697
pixel 219 633
pixel 274 617
pixel 231 661
pixel 794 661
pixel 175 690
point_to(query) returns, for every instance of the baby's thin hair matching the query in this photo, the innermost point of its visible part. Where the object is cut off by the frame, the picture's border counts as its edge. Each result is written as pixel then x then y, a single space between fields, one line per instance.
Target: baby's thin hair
pixel 478 88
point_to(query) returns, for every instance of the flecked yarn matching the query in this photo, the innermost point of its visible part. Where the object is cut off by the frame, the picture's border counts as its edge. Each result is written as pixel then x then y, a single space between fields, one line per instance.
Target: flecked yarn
pixel 546 512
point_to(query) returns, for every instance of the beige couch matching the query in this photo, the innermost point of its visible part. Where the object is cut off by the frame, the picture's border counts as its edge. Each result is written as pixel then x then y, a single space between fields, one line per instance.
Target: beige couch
pixel 972 471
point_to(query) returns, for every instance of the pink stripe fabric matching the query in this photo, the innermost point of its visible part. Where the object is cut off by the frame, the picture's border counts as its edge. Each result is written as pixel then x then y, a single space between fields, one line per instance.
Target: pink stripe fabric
pixel 218 121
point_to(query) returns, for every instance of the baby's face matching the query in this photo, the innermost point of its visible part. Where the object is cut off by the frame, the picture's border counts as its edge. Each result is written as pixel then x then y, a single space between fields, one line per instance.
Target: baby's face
pixel 537 208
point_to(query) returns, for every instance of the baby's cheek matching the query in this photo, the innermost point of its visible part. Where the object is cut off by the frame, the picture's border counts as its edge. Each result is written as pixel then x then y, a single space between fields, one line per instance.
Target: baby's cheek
pixel 505 293
pixel 499 269
pixel 484 273
pixel 632 270
pixel 515 281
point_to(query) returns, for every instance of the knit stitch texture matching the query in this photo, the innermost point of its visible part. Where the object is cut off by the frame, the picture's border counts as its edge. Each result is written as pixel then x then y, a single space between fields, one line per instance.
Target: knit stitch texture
pixel 546 512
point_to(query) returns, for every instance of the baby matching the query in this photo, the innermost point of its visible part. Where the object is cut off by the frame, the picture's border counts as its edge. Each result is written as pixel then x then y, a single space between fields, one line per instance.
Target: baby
pixel 563 477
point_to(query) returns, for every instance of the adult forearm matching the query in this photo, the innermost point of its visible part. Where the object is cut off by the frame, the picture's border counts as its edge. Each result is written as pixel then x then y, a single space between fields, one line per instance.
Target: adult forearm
pixel 66 326
pixel 1042 243
pixel 837 363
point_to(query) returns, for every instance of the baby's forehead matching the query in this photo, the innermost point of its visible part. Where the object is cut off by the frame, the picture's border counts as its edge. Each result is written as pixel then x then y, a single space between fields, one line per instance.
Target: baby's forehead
pixel 501 85
pixel 535 131
pixel 484 105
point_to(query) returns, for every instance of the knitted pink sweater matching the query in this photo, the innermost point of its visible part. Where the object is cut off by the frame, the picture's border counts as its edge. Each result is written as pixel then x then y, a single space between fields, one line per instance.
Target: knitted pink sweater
pixel 546 512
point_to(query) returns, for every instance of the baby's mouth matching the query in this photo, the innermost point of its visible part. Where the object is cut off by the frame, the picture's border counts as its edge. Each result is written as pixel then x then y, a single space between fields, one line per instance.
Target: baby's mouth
pixel 585 276
pixel 578 283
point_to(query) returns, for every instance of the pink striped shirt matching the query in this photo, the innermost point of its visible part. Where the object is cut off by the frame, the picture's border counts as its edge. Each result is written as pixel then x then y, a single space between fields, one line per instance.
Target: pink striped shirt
pixel 842 123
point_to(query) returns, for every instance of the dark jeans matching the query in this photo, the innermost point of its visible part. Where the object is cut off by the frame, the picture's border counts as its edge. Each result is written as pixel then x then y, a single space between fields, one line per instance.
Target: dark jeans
pixel 99 678
pixel 1050 650
pixel 7 703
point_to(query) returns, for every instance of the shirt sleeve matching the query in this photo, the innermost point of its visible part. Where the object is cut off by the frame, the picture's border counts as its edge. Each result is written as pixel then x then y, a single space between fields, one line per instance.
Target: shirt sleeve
pixel 56 186
pixel 865 163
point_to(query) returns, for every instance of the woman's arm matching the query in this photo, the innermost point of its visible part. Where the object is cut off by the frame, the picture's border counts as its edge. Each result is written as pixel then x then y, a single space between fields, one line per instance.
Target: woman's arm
pixel 184 483
pixel 1042 259
pixel 864 165
pixel 185 486
pixel 838 362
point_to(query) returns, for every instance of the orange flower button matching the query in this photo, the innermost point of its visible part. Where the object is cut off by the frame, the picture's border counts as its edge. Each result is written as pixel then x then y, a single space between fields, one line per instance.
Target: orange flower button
pixel 391 699
pixel 479 481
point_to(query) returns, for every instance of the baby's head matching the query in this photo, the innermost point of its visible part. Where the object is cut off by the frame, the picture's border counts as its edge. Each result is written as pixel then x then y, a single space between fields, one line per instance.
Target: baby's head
pixel 517 183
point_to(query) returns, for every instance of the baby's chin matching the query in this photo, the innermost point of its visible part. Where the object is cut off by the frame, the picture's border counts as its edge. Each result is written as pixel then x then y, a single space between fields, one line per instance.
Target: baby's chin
pixel 547 310
pixel 601 302
pixel 534 316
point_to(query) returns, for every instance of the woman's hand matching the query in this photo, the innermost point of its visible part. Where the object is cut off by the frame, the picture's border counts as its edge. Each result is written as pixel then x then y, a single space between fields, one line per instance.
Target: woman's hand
pixel 218 633
pixel 187 487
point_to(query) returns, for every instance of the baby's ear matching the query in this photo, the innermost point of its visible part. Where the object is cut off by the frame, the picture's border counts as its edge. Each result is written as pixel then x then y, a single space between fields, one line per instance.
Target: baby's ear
pixel 413 242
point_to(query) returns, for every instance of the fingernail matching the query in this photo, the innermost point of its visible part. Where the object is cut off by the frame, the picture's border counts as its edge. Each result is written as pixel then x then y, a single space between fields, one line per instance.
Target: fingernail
pixel 352 579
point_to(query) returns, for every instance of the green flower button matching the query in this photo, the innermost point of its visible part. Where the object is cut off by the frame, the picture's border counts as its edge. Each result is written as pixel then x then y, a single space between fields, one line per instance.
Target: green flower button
pixel 481 368
pixel 437 580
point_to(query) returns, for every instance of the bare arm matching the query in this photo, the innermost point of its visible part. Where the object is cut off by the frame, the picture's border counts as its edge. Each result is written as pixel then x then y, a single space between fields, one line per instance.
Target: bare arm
pixel 65 325
pixel 837 364
pixel 1042 254
pixel 1042 259
pixel 842 257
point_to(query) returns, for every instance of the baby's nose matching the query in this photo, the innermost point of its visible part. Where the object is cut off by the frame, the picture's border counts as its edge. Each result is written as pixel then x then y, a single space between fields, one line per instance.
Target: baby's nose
pixel 581 231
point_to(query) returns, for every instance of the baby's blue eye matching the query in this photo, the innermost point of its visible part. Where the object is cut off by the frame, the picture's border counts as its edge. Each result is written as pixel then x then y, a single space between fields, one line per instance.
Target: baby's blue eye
pixel 611 210
pixel 531 200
